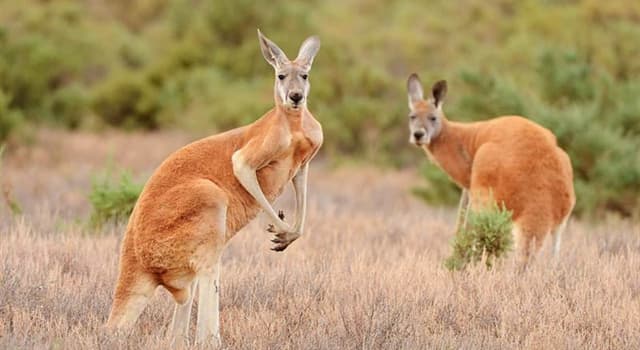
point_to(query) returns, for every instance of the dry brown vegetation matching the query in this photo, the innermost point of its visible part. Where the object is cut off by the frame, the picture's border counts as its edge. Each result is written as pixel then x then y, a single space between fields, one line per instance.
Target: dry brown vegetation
pixel 368 274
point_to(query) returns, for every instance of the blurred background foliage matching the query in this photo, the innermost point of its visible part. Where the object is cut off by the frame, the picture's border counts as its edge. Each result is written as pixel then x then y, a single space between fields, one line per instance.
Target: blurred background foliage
pixel 572 66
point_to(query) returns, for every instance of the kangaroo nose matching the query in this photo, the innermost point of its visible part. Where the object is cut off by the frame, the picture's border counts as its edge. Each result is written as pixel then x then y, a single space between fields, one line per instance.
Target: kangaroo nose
pixel 418 134
pixel 295 97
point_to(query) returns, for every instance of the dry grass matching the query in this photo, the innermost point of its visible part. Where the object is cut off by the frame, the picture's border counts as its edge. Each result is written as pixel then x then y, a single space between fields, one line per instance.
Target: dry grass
pixel 367 275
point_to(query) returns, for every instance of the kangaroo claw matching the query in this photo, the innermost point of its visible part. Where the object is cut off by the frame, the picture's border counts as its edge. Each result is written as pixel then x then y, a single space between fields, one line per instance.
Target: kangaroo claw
pixel 280 247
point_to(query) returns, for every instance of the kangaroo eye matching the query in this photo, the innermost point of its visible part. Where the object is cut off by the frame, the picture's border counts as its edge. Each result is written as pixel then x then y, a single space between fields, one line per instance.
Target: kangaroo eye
pixel 432 118
pixel 305 76
pixel 281 76
pixel 412 117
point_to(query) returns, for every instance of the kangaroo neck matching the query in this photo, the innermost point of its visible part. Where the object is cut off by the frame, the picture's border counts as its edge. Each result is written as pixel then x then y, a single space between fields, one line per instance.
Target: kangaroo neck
pixel 453 150
pixel 293 117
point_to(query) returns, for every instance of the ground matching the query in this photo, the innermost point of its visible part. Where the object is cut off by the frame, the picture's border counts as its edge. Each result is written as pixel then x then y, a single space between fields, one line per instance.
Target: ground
pixel 367 274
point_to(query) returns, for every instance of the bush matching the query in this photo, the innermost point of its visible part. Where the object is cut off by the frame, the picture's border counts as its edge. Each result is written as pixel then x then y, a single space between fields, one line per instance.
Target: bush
pixel 11 202
pixel 565 77
pixel 69 106
pixel 46 49
pixel 113 200
pixel 127 100
pixel 487 236
pixel 440 189
pixel 10 120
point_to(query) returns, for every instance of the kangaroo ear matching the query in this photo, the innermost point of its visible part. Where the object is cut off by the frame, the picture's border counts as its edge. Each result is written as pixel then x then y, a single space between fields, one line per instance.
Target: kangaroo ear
pixel 271 52
pixel 439 91
pixel 308 51
pixel 414 87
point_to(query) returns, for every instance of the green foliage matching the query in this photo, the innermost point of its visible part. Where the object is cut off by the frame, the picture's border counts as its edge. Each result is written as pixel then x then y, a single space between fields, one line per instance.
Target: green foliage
pixel 71 103
pixel 11 202
pixel 113 199
pixel 127 100
pixel 440 189
pixel 43 50
pixel 10 120
pixel 487 236
pixel 565 78
pixel 488 96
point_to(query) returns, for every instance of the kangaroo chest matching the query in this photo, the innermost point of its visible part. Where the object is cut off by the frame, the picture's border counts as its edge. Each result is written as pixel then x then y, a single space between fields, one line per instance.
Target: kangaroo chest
pixel 453 160
pixel 304 145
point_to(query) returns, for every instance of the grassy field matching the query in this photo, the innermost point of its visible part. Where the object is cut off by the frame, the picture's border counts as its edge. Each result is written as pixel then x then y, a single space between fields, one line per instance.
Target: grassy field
pixel 367 275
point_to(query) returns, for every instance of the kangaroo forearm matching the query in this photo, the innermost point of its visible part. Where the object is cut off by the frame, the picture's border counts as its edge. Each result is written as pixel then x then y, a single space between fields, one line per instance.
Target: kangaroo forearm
pixel 250 183
pixel 300 188
pixel 249 180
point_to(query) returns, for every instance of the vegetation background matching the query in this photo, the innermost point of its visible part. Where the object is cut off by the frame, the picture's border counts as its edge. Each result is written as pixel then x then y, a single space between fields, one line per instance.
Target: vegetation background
pixel 91 87
pixel 572 66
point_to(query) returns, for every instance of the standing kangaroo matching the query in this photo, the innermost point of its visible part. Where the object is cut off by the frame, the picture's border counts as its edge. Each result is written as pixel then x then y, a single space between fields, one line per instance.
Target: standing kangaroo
pixel 205 192
pixel 508 159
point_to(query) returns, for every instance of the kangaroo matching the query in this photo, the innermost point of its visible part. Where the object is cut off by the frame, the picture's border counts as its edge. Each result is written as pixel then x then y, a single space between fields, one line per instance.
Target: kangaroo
pixel 509 159
pixel 204 193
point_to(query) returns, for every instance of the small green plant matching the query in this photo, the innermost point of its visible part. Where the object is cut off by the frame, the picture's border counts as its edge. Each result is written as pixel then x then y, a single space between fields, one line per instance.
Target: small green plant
pixel 11 202
pixel 112 200
pixel 487 236
pixel 10 119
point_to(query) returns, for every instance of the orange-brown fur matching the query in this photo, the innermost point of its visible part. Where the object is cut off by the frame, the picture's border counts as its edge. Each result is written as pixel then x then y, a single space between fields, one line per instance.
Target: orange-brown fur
pixel 194 204
pixel 176 211
pixel 511 160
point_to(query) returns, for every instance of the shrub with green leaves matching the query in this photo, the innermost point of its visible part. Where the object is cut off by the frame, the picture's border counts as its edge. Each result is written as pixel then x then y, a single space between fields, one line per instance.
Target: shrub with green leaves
pixel 10 119
pixel 486 236
pixel 127 101
pixel 11 202
pixel 440 189
pixel 113 199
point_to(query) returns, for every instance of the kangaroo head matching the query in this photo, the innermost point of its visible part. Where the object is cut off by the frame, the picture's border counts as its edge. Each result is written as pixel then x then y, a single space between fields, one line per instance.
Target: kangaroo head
pixel 425 116
pixel 292 77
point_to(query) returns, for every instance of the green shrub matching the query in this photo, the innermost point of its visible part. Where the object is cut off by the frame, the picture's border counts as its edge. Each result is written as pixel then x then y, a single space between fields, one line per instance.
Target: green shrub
pixel 488 96
pixel 69 106
pixel 10 201
pixel 113 199
pixel 127 100
pixel 566 77
pixel 47 48
pixel 487 236
pixel 206 97
pixel 440 189
pixel 10 120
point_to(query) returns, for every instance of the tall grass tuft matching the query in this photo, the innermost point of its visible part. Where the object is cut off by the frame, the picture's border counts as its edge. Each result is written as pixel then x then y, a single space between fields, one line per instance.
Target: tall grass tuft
pixel 487 236
pixel 11 202
pixel 113 199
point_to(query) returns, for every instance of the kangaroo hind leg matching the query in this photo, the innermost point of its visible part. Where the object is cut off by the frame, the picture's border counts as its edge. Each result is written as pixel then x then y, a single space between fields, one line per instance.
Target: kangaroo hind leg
pixel 182 315
pixel 131 296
